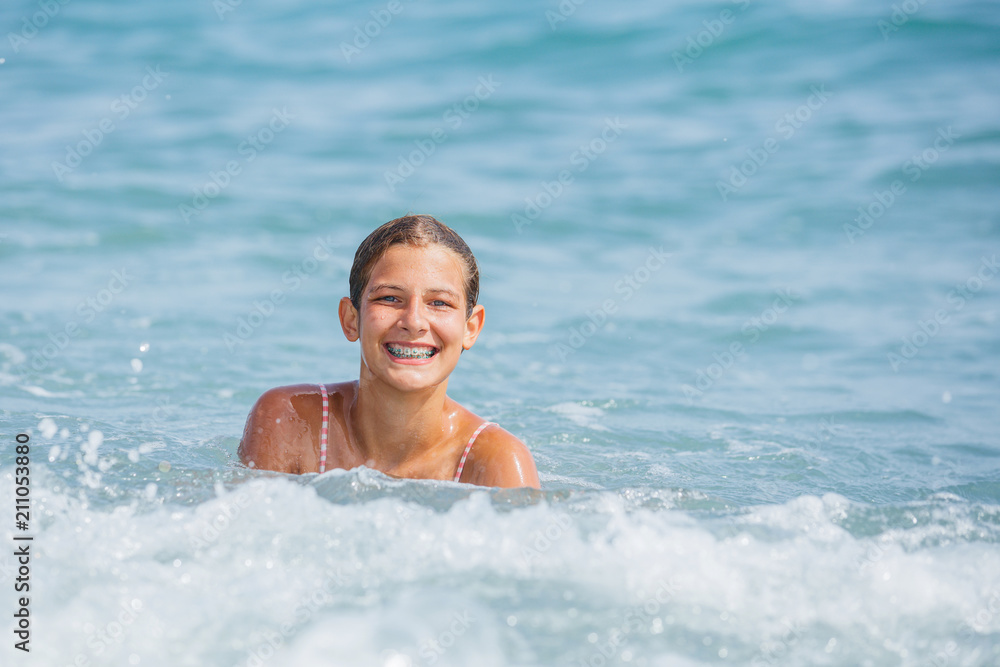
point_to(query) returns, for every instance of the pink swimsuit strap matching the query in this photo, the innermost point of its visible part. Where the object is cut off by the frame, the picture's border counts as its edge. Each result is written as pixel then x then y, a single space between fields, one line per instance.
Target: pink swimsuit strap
pixel 468 448
pixel 324 433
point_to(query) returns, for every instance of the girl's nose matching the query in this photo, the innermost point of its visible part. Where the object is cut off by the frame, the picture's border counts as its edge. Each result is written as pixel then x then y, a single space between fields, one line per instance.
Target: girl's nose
pixel 413 318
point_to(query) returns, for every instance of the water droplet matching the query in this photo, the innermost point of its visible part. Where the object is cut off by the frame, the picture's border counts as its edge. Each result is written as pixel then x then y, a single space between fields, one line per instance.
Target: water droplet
pixel 398 660
pixel 137 365
pixel 164 466
pixel 144 347
pixel 512 621
pixel 946 397
pixel 48 428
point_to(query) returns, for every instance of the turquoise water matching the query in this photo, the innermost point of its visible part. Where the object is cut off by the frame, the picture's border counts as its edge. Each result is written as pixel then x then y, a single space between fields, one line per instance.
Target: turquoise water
pixel 739 265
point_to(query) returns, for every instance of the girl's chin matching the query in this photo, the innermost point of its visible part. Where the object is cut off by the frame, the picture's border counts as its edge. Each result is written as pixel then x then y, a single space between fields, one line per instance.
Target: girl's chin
pixel 413 377
pixel 410 384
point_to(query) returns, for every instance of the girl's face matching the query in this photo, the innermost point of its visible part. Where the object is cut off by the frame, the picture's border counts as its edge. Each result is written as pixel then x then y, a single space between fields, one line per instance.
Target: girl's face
pixel 412 323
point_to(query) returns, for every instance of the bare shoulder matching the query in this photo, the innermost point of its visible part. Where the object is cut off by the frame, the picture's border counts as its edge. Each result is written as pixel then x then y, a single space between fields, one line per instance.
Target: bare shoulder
pixel 499 458
pixel 290 401
pixel 276 436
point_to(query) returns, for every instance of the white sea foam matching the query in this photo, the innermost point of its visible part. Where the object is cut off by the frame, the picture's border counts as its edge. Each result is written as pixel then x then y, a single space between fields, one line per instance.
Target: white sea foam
pixel 581 415
pixel 13 355
pixel 386 577
pixel 41 392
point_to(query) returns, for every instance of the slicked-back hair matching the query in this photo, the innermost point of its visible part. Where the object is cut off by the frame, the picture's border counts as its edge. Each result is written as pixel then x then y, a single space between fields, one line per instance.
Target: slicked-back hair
pixel 413 230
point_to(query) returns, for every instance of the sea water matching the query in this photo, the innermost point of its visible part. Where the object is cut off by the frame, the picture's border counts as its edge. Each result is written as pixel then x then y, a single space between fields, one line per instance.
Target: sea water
pixel 740 270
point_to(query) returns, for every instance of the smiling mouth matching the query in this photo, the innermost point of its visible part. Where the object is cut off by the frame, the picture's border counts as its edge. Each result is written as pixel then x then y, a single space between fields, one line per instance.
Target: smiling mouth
pixel 411 352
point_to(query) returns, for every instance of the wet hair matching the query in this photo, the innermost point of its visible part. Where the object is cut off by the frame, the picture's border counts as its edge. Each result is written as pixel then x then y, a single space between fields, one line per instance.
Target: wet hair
pixel 413 230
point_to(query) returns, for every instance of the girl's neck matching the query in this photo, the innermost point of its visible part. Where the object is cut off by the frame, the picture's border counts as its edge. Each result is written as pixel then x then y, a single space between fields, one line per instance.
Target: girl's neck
pixel 390 427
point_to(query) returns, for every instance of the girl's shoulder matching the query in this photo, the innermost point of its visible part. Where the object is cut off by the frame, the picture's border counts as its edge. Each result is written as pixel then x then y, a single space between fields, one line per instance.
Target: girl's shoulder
pixel 499 458
pixel 300 399
pixel 279 430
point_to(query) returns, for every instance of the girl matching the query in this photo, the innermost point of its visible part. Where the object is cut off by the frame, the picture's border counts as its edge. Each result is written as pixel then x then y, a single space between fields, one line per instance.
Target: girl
pixel 414 286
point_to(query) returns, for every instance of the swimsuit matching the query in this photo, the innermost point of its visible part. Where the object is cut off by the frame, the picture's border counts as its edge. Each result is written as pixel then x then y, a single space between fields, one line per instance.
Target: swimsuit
pixel 325 431
pixel 468 448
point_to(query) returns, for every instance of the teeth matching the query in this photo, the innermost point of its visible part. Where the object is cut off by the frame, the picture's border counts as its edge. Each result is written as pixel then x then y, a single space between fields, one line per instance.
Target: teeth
pixel 411 352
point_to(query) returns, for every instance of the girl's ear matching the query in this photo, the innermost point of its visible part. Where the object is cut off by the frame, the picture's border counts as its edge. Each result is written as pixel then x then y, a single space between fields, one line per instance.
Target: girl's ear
pixel 473 326
pixel 349 319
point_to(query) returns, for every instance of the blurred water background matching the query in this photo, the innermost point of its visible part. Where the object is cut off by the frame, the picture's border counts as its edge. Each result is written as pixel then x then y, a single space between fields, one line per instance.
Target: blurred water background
pixel 739 265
